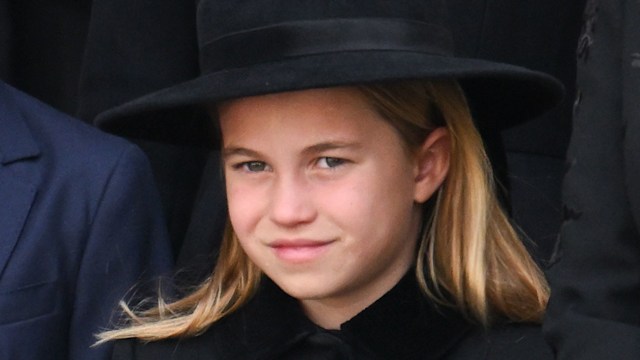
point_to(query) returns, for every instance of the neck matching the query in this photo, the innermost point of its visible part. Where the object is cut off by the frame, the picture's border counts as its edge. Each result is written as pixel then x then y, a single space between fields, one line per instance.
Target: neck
pixel 330 313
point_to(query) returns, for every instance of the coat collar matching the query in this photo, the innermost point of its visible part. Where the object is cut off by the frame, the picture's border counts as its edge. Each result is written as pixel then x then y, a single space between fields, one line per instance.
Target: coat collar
pixel 16 139
pixel 403 324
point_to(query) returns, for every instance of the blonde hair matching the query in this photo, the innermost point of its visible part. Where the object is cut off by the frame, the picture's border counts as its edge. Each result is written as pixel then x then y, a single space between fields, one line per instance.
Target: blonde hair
pixel 478 264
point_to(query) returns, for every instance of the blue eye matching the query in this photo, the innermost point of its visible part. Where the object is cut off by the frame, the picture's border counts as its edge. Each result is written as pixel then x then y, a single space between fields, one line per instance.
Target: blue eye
pixel 330 162
pixel 252 166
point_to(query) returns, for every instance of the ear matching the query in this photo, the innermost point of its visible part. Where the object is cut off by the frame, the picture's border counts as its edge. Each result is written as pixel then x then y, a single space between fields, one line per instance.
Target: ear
pixel 432 164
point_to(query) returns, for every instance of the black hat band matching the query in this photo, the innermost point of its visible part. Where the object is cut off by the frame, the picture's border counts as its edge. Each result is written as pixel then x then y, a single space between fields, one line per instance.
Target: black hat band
pixel 303 38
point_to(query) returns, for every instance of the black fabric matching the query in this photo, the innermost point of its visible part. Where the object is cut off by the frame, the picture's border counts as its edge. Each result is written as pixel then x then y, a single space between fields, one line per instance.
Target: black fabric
pixel 321 345
pixel 401 325
pixel 541 35
pixel 135 47
pixel 6 34
pixel 594 311
pixel 503 94
pixel 303 38
pixel 178 170
pixel 199 250
pixel 41 47
pixel 529 157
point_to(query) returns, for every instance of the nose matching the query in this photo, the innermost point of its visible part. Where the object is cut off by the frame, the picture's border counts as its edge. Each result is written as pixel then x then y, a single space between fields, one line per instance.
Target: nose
pixel 291 202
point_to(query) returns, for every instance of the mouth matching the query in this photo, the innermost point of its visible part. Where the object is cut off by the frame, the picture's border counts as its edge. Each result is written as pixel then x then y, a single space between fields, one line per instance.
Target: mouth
pixel 300 250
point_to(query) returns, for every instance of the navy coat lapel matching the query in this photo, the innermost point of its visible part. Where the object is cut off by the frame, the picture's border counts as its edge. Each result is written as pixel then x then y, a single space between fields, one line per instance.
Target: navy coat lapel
pixel 17 190
pixel 15 199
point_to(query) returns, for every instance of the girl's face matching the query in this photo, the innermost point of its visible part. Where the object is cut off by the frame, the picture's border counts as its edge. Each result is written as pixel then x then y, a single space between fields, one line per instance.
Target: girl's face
pixel 323 196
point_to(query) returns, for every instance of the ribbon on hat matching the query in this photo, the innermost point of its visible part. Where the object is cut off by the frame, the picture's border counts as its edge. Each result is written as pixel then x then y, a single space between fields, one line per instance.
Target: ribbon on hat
pixel 313 37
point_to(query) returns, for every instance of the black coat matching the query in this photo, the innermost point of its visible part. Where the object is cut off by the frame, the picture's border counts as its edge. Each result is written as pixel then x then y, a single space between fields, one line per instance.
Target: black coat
pixel 41 48
pixel 403 324
pixel 137 47
pixel 594 312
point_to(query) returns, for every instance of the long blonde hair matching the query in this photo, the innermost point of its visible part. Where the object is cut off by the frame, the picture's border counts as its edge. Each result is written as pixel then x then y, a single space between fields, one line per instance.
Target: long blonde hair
pixel 469 255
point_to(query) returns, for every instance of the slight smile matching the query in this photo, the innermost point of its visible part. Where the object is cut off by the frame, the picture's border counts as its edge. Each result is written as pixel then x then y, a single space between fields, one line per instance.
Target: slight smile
pixel 299 250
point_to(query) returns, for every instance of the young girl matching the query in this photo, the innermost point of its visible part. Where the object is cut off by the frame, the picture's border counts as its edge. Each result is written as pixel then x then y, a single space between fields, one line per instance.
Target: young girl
pixel 363 223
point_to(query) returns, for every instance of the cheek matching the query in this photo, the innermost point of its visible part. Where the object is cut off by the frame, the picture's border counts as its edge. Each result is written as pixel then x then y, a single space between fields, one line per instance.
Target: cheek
pixel 244 207
pixel 383 208
pixel 344 199
pixel 368 204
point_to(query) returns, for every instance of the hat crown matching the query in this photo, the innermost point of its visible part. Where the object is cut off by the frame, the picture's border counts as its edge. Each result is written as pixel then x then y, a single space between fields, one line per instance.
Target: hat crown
pixel 217 18
pixel 237 34
pixel 255 47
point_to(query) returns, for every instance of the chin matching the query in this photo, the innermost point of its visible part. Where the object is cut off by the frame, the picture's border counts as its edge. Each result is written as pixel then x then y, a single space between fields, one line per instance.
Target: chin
pixel 303 288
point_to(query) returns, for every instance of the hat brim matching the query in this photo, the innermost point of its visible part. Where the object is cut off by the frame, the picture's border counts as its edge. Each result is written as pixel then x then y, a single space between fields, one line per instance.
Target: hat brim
pixel 500 95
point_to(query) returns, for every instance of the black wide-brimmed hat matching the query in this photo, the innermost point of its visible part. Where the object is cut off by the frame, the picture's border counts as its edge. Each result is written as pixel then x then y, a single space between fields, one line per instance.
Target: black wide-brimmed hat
pixel 254 47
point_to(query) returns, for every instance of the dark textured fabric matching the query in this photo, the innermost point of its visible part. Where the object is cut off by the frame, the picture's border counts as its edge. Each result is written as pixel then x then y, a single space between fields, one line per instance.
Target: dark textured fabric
pixel 135 47
pixel 41 46
pixel 80 223
pixel 500 94
pixel 6 34
pixel 178 171
pixel 322 345
pixel 202 240
pixel 541 35
pixel 311 37
pixel 594 312
pixel 401 325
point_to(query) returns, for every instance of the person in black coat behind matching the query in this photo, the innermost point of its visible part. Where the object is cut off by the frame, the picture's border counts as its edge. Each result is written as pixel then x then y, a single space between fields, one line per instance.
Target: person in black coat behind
pixel 594 312
pixel 362 217
pixel 41 48
pixel 136 47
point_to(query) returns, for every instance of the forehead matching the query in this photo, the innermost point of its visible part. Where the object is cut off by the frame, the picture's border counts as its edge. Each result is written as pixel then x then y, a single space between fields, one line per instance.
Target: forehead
pixel 323 100
pixel 315 111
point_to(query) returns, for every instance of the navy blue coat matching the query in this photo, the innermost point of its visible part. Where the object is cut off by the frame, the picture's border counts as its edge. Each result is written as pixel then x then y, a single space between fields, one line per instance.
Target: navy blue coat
pixel 80 223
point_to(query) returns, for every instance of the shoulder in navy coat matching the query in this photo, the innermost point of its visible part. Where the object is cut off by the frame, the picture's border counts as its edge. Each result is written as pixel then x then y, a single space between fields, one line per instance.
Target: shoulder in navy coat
pixel 80 224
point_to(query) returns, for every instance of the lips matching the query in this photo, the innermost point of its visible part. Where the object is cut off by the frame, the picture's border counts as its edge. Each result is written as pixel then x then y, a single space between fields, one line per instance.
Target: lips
pixel 299 250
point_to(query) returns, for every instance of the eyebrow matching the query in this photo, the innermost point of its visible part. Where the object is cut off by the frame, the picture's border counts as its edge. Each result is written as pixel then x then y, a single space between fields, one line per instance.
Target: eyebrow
pixel 238 151
pixel 313 149
pixel 331 145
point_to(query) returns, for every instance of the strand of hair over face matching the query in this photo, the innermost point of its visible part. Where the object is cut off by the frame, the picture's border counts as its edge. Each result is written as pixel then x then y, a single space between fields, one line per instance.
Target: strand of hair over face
pixel 232 284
